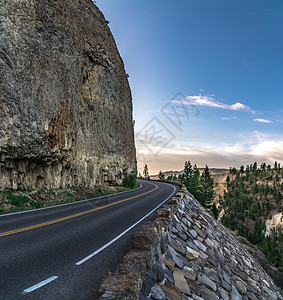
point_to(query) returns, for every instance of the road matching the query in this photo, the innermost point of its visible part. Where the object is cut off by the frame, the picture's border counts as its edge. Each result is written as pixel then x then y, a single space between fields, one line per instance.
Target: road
pixel 63 252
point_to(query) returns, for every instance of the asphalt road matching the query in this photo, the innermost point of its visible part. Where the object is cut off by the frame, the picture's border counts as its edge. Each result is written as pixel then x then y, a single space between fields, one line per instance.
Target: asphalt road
pixel 63 252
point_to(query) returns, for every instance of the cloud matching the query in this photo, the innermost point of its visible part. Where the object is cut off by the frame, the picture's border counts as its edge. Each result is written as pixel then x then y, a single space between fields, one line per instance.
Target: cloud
pixel 271 149
pixel 208 100
pixel 229 118
pixel 263 121
pixel 247 148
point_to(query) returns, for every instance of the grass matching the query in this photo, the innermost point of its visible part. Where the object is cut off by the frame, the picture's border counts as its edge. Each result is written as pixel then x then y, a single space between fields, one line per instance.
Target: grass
pixel 19 199
pixel 15 199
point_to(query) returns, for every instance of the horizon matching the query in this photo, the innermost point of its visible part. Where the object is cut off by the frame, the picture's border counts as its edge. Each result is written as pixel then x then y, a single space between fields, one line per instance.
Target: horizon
pixel 205 78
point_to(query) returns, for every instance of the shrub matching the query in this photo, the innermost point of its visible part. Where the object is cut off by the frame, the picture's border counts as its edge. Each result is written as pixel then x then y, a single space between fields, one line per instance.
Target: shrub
pixel 2 211
pixel 17 200
pixel 68 194
pixel 36 204
pixel 130 181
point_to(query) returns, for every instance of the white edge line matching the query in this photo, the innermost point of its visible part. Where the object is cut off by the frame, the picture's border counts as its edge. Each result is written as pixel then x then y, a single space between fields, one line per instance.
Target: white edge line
pixel 39 285
pixel 124 232
pixel 75 202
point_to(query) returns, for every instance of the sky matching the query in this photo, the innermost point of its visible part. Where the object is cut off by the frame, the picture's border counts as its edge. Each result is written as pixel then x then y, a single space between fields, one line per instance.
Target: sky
pixel 206 79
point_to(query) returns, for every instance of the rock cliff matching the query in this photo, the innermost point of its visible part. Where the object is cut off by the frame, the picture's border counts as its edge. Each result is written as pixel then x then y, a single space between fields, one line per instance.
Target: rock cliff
pixel 65 101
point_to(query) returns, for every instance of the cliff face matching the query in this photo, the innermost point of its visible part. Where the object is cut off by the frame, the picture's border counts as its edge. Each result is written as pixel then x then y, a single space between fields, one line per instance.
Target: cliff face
pixel 65 101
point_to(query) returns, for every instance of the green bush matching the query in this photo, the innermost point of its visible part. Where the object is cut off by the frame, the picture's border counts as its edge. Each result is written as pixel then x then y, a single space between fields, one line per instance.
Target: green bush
pixel 2 211
pixel 130 181
pixel 68 194
pixel 17 200
pixel 36 204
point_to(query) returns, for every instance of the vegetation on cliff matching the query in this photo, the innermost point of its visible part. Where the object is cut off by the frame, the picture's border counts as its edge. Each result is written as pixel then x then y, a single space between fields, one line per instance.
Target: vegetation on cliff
pixel 253 196
pixel 16 200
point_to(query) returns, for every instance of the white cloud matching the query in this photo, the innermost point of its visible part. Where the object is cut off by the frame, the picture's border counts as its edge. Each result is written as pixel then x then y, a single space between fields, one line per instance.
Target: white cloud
pixel 229 118
pixel 247 148
pixel 263 121
pixel 208 100
pixel 268 148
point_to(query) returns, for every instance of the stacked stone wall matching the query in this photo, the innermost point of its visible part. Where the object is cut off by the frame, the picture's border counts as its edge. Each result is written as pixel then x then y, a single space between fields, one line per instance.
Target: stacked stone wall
pixel 186 254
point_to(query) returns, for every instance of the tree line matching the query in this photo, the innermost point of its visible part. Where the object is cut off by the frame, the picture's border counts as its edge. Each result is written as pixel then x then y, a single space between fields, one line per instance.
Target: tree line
pixel 253 196
pixel 197 183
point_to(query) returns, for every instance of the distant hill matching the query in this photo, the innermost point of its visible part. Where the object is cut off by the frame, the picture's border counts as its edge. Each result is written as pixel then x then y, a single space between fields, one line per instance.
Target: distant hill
pixel 177 173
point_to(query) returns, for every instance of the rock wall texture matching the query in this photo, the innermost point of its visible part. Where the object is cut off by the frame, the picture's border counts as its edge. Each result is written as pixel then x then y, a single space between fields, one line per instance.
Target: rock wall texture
pixel 65 101
pixel 185 254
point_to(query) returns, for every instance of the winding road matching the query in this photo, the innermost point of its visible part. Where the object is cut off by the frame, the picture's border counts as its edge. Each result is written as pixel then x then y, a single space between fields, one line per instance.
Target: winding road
pixel 63 252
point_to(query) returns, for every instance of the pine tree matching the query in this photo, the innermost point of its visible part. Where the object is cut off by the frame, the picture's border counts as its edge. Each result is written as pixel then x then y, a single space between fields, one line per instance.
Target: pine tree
pixel 206 184
pixel 188 170
pixel 145 172
pixel 214 211
pixel 186 178
pixel 228 180
pixel 161 176
pixel 194 183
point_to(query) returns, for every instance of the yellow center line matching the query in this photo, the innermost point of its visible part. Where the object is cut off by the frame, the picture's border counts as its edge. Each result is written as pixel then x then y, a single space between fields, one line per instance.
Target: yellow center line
pixel 73 216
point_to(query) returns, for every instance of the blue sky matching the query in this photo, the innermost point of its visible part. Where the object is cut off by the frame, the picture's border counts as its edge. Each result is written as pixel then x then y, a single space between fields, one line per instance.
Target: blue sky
pixel 224 61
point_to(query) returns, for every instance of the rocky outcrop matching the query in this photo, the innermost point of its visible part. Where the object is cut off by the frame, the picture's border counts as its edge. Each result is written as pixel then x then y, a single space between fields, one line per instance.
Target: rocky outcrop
pixel 65 101
pixel 193 257
pixel 275 222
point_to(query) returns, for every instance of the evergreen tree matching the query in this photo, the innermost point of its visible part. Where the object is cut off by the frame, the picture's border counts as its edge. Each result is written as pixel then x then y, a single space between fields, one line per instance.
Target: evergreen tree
pixel 206 184
pixel 214 211
pixel 161 176
pixel 195 182
pixel 187 176
pixel 145 172
pixel 188 170
pixel 228 180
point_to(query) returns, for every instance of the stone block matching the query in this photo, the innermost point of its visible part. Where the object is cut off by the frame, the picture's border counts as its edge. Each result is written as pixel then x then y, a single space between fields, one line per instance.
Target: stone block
pixel 175 200
pixel 165 213
pixel 171 292
pixel 117 286
pixel 146 237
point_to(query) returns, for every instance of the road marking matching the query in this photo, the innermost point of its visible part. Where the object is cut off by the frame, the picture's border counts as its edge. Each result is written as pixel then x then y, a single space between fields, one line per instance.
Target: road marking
pixel 123 233
pixel 73 216
pixel 39 285
pixel 75 202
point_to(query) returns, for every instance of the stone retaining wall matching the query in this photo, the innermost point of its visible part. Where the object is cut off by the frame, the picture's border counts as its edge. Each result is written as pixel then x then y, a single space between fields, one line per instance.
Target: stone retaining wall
pixel 186 254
